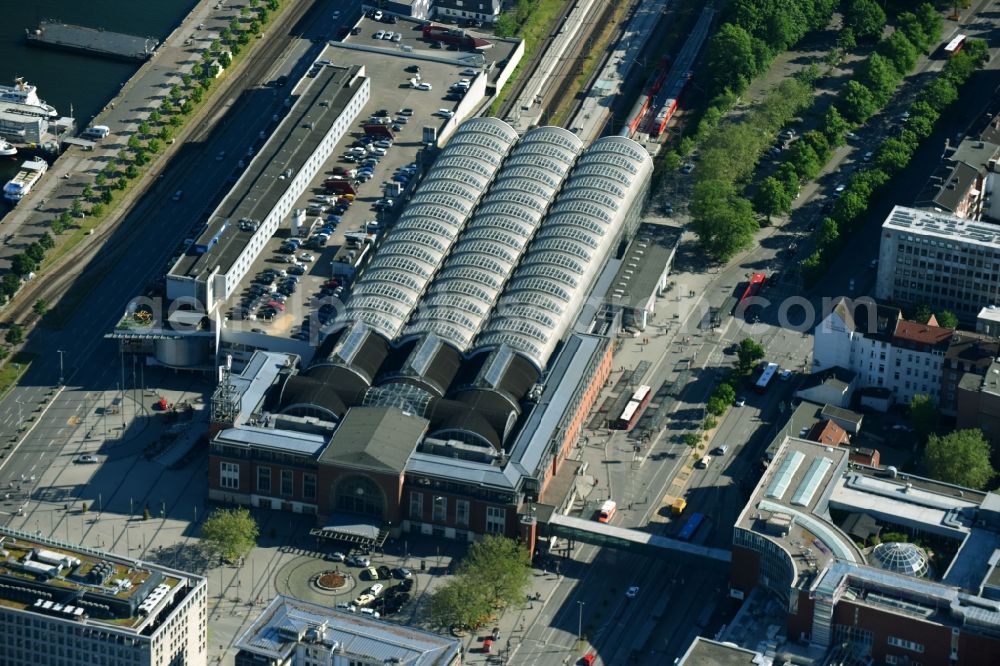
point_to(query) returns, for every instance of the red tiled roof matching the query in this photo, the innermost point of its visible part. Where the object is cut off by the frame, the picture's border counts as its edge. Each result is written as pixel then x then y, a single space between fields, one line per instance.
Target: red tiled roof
pixel 922 335
pixel 828 432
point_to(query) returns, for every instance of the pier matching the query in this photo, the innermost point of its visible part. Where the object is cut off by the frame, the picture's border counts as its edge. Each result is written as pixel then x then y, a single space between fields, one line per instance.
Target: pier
pixel 92 41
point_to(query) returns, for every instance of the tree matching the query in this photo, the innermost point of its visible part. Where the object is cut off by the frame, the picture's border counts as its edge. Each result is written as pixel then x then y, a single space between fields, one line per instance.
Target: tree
pixel 748 354
pixel 921 314
pixel 880 77
pixel 76 208
pixel 827 235
pixel 961 457
pixel 9 284
pixel 723 221
pixel 834 126
pixel 46 241
pixel 230 533
pixel 789 178
pixel 731 60
pixel 154 145
pixel 495 573
pixel 847 40
pixel 924 415
pixel 87 193
pixel 100 179
pixel 133 143
pixel 97 209
pixel 186 80
pixel 957 6
pixel 154 116
pixel 175 92
pixel 197 95
pixel 725 392
pixel 15 334
pixel 900 51
pixel 144 128
pixel 40 307
pixel 131 173
pixel 36 252
pixel 819 143
pixel 225 60
pixel 931 21
pixel 106 196
pixel 857 102
pixel 865 18
pixel 910 25
pixel 947 319
pixel 805 160
pixel 771 198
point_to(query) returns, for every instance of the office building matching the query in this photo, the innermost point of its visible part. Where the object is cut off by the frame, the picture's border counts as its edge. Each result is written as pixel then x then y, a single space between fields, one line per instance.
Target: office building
pixel 63 605
pixel 943 261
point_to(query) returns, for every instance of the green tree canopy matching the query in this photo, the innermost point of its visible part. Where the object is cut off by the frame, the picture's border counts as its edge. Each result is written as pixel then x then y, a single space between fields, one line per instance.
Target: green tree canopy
pixel 14 335
pixel 857 102
pixel 723 221
pixel 961 457
pixel 900 51
pixel 827 235
pixel 494 574
pixel 804 159
pixel 925 415
pixel 771 198
pixel 947 319
pixel 230 533
pixel 834 126
pixel 865 18
pixel 880 77
pixel 731 60
pixel 749 352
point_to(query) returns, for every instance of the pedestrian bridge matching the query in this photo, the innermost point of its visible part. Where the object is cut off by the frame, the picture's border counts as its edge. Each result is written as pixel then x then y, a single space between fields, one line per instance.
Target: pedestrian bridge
pixel 610 536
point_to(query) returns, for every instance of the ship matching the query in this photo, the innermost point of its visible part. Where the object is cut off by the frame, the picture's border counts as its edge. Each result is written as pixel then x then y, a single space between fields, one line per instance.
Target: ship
pixel 6 149
pixel 20 185
pixel 26 97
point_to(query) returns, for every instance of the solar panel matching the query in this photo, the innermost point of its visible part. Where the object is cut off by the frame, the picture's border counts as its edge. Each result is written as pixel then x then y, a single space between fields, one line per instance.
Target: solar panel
pixel 783 479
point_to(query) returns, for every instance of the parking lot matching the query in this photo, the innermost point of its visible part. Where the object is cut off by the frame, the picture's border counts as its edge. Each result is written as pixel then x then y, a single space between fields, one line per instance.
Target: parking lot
pixel 347 205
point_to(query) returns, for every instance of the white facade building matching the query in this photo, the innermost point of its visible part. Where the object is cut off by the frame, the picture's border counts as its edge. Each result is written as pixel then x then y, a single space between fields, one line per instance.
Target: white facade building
pixel 882 348
pixel 63 605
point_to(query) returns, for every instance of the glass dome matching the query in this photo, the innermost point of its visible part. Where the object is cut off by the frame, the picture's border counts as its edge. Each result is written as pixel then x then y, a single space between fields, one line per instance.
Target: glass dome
pixel 904 558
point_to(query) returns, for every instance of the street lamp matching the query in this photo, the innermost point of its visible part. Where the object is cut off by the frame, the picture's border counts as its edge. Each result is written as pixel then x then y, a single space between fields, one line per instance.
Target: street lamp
pixel 61 352
pixel 579 622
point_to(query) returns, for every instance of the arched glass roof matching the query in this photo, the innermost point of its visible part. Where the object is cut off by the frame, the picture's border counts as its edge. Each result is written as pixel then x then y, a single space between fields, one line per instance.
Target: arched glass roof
pixel 387 293
pixel 556 273
pixel 493 241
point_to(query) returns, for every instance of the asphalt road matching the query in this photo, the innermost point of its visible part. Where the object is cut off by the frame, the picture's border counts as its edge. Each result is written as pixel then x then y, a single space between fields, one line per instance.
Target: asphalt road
pixel 93 368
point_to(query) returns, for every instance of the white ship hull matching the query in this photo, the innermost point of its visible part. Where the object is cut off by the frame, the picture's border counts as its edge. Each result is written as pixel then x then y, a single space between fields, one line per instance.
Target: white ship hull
pixel 26 95
pixel 7 150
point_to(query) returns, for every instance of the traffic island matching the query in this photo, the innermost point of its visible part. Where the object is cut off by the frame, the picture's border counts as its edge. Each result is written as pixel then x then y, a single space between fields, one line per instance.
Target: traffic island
pixel 332 581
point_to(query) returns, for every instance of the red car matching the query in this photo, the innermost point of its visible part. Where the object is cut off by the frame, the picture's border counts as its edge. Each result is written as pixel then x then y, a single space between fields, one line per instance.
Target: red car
pixel 487 645
pixel 588 659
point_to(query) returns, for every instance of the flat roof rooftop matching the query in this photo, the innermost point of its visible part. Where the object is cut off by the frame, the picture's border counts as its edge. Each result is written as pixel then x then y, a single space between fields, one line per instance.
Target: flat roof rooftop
pixel 63 581
pixel 320 103
pixel 643 265
pixel 945 227
pixel 789 505
pixel 287 622
pixel 706 652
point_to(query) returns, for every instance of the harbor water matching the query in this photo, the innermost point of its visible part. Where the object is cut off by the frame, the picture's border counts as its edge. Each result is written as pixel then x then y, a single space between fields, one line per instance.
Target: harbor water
pixel 69 80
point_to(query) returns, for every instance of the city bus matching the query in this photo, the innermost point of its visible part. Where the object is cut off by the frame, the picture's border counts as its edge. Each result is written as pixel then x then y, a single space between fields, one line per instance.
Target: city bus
pixel 633 409
pixel 691 527
pixel 765 377
pixel 606 511
pixel 955 45
pixel 757 281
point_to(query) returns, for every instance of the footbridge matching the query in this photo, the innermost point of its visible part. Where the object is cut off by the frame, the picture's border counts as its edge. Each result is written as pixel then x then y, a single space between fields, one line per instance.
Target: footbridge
pixel 636 541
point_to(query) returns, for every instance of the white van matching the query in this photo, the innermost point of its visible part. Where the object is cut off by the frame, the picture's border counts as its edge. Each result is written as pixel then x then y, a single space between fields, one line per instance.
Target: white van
pixel 98 132
pixel 704 462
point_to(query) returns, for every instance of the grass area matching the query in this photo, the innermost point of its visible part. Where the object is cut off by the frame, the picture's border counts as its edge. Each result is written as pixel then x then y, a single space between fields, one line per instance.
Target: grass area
pixel 598 44
pixel 533 31
pixel 13 369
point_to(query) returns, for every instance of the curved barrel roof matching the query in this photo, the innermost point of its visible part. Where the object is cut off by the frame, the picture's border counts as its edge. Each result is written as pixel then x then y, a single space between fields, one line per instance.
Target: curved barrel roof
pixel 556 273
pixel 464 291
pixel 387 293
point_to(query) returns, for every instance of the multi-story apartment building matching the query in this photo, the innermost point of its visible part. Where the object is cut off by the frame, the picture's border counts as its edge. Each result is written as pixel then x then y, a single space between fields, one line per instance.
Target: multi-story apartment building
pixel 884 349
pixel 63 605
pixel 942 260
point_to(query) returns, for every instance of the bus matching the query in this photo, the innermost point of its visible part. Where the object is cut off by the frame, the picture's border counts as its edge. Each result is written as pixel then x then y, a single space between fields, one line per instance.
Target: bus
pixel 955 45
pixel 633 409
pixel 606 511
pixel 765 377
pixel 757 281
pixel 691 526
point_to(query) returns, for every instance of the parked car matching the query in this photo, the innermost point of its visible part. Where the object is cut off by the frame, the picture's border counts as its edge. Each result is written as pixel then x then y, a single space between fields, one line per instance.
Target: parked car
pixel 632 592
pixel 86 459
pixel 334 557
pixel 444 113
pixel 423 85
pixel 402 573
